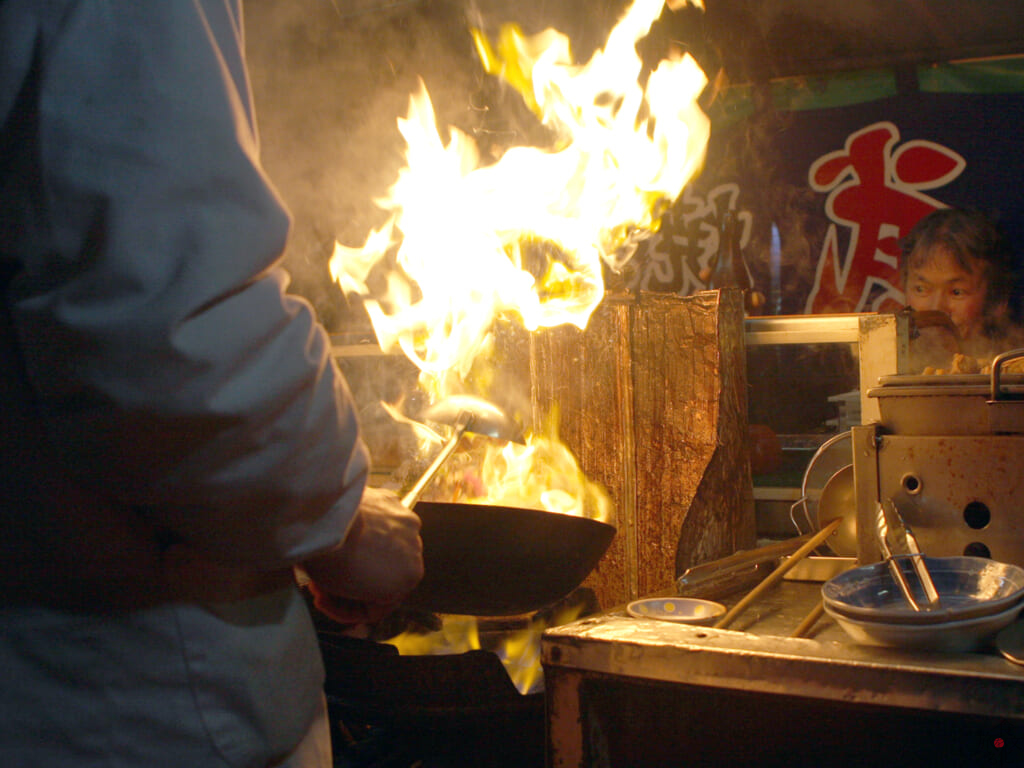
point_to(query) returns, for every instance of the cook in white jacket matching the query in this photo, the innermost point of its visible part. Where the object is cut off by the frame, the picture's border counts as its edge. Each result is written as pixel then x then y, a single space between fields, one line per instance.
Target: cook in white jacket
pixel 174 436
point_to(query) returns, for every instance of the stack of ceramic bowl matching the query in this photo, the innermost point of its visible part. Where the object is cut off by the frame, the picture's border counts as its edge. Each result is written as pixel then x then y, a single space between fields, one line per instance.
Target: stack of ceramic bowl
pixel 977 598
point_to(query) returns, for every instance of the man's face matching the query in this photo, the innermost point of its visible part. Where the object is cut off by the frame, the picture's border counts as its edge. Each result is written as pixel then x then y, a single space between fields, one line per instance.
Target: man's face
pixel 942 284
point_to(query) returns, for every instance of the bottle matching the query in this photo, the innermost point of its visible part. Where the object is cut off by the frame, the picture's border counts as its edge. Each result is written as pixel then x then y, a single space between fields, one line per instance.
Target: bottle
pixel 728 269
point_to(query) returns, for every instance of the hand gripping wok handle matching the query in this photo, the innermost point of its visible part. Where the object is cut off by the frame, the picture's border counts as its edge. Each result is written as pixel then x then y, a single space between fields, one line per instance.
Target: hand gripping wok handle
pixel 350 612
pixel 413 495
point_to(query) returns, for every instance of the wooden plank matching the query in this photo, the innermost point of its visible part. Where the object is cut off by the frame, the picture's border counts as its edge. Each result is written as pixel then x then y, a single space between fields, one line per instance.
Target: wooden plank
pixel 695 497
pixel 652 401
pixel 586 375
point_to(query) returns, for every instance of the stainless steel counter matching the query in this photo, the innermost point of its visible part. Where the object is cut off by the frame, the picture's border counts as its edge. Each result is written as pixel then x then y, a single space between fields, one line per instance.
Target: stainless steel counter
pixel 609 656
pixel 757 654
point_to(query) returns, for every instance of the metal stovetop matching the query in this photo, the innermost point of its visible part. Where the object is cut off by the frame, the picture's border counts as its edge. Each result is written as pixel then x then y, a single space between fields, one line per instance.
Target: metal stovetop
pixel 756 654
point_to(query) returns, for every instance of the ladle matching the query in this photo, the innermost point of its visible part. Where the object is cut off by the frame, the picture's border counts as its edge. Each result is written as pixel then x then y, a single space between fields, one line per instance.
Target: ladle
pixel 465 413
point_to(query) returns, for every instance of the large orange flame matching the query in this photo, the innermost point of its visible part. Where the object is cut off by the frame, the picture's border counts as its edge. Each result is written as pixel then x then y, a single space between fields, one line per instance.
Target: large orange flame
pixel 458 235
pixel 457 229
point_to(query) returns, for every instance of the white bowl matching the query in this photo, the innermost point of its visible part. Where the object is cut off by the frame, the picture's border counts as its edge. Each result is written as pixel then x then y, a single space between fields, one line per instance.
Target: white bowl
pixel 682 610
pixel 952 637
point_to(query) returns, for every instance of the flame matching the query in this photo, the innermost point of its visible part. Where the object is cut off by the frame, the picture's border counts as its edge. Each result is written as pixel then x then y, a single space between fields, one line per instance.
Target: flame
pixel 525 237
pixel 542 474
pixel 458 634
pixel 519 651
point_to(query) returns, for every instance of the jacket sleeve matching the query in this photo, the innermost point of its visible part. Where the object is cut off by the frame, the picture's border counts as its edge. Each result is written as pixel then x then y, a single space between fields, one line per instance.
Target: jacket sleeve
pixel 173 371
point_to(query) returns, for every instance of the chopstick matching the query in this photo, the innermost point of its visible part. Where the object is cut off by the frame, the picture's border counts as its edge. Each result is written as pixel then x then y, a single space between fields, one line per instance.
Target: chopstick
pixel 772 578
pixel 809 620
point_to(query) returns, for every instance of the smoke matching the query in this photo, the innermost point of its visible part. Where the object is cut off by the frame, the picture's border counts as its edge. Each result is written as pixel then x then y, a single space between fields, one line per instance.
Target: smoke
pixel 330 80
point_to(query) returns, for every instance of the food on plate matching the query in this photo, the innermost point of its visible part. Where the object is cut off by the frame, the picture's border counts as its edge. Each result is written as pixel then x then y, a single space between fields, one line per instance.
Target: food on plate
pixel 960 364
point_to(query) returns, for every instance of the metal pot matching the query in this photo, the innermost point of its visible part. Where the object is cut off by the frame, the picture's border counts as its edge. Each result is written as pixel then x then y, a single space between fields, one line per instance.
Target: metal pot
pixel 483 560
pixel 957 404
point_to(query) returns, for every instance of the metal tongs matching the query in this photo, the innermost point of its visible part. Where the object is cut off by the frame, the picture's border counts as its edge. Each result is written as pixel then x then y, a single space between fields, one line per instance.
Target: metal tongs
pixel 897 543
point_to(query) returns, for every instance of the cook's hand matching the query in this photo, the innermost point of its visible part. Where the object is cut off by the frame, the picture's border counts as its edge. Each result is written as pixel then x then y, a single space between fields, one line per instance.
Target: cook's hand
pixel 375 567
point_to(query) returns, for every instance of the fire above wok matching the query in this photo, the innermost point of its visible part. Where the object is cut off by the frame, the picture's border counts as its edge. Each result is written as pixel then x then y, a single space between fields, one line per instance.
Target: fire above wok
pixel 483 560
pixel 495 560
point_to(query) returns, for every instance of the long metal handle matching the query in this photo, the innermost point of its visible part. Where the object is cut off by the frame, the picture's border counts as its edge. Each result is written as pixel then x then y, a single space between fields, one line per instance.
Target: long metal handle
pixel 891 522
pixel 714 570
pixel 921 569
pixel 998 361
pixel 898 576
pixel 882 534
pixel 413 495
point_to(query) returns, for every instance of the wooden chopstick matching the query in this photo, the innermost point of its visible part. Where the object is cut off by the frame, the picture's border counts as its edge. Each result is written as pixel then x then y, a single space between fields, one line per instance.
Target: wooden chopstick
pixel 772 578
pixel 809 620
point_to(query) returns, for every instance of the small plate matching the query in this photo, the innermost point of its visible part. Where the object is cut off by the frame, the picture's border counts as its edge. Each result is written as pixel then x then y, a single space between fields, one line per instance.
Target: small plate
pixel 682 610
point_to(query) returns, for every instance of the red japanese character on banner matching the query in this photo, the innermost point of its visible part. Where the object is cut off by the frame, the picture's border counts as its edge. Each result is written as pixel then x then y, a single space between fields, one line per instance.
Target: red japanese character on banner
pixel 875 190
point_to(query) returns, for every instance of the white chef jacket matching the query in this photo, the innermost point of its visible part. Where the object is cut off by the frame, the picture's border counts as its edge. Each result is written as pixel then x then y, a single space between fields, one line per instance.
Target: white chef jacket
pixel 158 390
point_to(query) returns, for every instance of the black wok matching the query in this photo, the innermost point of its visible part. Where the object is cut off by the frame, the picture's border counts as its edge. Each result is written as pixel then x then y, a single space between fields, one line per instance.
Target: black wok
pixel 483 560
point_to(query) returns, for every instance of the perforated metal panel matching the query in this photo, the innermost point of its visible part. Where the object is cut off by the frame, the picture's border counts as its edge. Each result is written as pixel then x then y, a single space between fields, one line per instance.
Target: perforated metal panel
pixel 960 494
